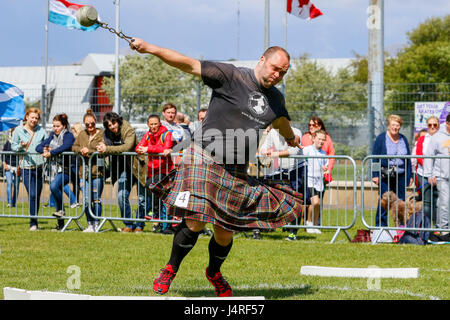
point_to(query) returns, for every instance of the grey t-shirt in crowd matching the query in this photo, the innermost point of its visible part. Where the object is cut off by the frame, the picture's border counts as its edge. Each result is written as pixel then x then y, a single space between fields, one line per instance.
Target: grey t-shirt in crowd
pixel 239 111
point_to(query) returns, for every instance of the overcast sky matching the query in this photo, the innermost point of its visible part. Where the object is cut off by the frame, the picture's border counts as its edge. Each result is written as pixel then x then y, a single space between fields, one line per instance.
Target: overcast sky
pixel 207 28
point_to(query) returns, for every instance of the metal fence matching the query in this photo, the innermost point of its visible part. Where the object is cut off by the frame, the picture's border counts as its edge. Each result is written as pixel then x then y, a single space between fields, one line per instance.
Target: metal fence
pixel 125 198
pixel 340 199
pixel 380 208
pixel 333 206
pixel 348 115
pixel 25 193
pixel 345 109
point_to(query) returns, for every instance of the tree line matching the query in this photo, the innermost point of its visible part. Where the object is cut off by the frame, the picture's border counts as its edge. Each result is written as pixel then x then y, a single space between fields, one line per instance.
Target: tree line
pixel 420 71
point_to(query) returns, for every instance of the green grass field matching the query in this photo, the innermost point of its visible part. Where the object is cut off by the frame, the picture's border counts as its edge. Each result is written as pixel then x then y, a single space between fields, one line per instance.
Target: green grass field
pixel 117 264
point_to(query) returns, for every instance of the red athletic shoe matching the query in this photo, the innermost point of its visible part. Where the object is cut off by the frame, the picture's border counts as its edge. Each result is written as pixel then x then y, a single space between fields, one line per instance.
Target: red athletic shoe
pixel 222 287
pixel 162 284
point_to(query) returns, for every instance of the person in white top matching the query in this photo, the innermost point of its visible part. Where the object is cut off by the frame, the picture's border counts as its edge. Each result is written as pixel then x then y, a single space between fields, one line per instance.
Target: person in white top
pixel 276 147
pixel 438 172
pixel 428 192
pixel 178 133
pixel 317 168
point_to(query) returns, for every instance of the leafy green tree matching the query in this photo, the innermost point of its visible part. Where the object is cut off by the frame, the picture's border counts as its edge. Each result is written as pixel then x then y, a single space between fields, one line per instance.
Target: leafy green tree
pixel 312 89
pixel 427 57
pixel 432 30
pixel 306 86
pixel 424 64
pixel 360 68
pixel 420 71
pixel 147 83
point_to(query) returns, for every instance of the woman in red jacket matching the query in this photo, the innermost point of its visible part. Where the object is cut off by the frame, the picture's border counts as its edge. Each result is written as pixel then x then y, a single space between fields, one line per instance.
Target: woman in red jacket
pixel 157 143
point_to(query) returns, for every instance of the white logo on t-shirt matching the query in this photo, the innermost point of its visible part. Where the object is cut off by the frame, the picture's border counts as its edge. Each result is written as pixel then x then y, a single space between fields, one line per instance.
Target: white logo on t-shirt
pixel 257 103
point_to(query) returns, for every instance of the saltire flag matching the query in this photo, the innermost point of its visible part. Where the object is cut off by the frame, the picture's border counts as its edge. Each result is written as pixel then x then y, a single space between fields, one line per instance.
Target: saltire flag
pixel 64 13
pixel 12 106
pixel 303 9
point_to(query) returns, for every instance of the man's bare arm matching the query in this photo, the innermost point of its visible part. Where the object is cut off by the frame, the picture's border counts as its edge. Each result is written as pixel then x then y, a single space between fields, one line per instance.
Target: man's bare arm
pixel 171 57
pixel 284 128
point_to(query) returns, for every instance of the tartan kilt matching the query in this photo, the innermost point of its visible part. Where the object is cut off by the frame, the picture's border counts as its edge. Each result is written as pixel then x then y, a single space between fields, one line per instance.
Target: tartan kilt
pixel 225 195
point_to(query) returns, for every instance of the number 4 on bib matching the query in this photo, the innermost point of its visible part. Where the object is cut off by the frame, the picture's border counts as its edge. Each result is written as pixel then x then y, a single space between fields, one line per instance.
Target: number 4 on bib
pixel 182 199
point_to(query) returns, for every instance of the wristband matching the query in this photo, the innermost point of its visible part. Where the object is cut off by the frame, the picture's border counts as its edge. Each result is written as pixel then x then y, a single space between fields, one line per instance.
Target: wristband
pixel 291 138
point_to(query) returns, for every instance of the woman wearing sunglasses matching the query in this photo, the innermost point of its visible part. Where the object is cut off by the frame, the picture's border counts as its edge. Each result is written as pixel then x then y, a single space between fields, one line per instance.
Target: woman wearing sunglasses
pixel 316 123
pixel 429 193
pixel 86 144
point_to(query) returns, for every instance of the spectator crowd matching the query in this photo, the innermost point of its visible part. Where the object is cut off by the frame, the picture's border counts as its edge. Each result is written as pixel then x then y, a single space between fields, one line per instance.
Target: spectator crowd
pixel 44 156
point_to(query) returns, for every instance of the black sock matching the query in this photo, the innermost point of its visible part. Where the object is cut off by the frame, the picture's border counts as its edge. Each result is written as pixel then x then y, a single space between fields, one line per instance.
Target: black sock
pixel 183 241
pixel 217 255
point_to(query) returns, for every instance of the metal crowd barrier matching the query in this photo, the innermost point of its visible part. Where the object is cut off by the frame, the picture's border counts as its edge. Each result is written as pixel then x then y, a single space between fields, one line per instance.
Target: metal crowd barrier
pixel 144 206
pixel 15 200
pixel 338 201
pixel 397 218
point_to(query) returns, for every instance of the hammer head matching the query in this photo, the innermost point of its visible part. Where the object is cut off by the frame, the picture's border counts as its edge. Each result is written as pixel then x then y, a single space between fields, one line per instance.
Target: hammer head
pixel 87 16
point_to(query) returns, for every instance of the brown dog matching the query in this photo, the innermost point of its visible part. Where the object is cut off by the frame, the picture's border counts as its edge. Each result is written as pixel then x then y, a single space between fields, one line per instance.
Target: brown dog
pixel 399 209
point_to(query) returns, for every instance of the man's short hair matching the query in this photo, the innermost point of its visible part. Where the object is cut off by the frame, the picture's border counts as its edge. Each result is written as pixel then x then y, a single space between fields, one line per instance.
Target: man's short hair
pixel 448 118
pixel 154 115
pixel 169 106
pixel 271 50
pixel 180 117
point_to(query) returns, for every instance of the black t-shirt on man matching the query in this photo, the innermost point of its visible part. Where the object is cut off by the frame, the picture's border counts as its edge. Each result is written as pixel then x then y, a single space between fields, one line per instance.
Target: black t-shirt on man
pixel 239 111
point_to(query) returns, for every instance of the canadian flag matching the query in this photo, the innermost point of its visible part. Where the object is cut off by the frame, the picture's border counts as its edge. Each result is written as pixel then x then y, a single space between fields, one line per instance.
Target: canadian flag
pixel 303 9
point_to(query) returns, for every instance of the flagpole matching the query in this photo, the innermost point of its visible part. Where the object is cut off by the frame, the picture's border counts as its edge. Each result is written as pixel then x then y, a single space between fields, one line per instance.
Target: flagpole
pixel 267 24
pixel 46 42
pixel 285 30
pixel 238 30
pixel 116 76
pixel 44 86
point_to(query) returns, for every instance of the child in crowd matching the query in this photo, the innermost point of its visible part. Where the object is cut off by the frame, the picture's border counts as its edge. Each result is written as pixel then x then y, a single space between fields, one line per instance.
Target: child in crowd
pixel 317 168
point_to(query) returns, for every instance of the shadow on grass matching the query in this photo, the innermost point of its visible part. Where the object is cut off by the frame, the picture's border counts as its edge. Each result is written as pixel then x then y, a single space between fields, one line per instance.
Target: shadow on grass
pixel 4 226
pixel 278 236
pixel 267 293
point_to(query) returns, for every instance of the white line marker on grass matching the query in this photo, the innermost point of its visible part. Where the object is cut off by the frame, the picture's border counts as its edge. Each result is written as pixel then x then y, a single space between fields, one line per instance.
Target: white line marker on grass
pixel 402 273
pixel 22 294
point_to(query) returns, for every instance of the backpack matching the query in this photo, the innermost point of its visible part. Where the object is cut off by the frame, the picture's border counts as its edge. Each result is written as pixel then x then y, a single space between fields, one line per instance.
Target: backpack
pixel 417 220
